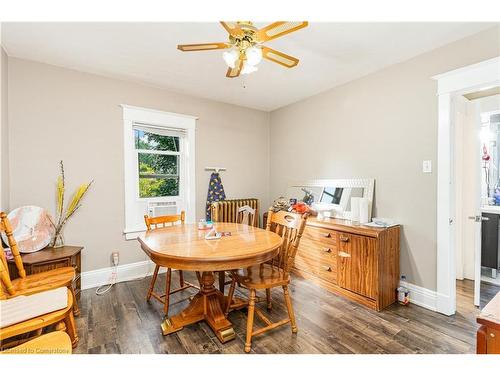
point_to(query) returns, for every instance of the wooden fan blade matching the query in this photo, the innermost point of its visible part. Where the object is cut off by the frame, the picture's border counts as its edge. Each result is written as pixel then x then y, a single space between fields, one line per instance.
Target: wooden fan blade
pixel 278 29
pixel 202 47
pixel 235 72
pixel 279 57
pixel 232 28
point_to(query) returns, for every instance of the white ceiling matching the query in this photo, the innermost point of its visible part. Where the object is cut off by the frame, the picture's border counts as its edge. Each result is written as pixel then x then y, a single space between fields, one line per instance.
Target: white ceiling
pixel 330 54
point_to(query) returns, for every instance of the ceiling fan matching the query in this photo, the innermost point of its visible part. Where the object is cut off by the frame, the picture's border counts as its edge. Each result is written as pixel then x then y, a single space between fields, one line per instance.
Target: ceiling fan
pixel 245 49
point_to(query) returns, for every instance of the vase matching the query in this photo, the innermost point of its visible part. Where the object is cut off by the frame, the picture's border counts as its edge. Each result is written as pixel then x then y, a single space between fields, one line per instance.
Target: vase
pixel 58 240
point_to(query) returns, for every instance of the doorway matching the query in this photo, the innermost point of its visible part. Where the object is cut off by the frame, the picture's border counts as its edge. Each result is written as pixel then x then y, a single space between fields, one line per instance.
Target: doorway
pixel 476 156
pixel 471 79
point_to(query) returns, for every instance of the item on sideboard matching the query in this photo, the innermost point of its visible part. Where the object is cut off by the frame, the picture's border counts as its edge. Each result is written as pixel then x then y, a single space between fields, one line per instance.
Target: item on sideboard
pixel 308 197
pixel 31 228
pixel 355 209
pixel 364 208
pixel 302 208
pixel 380 222
pixel 63 216
pixel 293 201
pixel 280 204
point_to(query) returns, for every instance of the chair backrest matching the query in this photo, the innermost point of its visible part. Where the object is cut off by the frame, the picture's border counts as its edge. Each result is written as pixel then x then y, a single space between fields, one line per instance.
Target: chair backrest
pixel 6 227
pixel 290 227
pixel 247 215
pixel 163 221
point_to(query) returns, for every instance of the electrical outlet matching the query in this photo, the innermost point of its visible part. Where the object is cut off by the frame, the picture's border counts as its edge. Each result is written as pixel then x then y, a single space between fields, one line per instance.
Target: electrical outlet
pixel 116 258
pixel 427 166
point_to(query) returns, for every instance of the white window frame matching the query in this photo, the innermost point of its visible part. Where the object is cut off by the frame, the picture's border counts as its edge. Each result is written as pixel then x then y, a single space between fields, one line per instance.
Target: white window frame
pixel 151 117
pixel 181 169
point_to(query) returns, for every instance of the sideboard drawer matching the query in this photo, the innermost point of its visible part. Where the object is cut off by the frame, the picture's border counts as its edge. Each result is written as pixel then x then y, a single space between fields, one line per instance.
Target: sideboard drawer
pixel 319 234
pixel 326 270
pixel 47 266
pixel 318 250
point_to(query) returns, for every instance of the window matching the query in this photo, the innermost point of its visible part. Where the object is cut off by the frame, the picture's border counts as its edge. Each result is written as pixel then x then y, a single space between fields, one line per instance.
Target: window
pixel 159 164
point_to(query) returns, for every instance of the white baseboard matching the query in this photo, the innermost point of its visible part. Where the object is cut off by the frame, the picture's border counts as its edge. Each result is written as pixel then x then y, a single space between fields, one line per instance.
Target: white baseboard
pixel 421 296
pixel 125 272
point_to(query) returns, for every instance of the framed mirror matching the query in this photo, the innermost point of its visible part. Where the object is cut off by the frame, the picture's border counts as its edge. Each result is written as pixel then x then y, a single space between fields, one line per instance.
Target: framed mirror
pixel 332 197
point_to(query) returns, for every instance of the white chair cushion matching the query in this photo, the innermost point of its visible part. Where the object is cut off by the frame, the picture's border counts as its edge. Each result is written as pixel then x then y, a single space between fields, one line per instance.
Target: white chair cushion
pixel 21 308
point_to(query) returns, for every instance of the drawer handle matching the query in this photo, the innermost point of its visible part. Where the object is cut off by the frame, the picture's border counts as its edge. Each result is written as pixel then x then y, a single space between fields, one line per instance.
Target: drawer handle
pixel 344 255
pixel 327 235
pixel 344 239
pixel 492 335
pixel 327 268
pixel 327 250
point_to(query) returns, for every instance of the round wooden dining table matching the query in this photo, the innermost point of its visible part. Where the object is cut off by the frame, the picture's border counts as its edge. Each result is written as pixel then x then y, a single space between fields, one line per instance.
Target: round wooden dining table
pixel 184 247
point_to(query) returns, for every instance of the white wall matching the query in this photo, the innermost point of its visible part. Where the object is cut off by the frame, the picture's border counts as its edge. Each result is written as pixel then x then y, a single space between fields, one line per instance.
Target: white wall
pixel 381 126
pixel 57 113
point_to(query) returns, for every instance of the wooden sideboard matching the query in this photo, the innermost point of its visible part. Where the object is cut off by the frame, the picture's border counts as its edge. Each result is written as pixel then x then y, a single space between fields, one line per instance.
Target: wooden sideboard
pixel 488 334
pixel 49 259
pixel 355 261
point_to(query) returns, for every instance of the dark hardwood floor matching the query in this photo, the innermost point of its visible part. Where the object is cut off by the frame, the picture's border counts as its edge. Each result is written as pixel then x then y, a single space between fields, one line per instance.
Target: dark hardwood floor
pixel 121 321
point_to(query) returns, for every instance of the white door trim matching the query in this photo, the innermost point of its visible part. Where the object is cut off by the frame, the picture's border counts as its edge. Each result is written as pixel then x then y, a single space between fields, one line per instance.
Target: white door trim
pixel 466 79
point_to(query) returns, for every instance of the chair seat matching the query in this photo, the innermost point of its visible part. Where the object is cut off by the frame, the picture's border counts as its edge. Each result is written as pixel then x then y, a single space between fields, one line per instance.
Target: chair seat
pixel 38 322
pixel 21 308
pixel 262 276
pixel 50 343
pixel 46 280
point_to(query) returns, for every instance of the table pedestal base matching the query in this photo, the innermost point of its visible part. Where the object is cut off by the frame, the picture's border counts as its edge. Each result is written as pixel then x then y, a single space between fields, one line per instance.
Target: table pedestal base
pixel 206 305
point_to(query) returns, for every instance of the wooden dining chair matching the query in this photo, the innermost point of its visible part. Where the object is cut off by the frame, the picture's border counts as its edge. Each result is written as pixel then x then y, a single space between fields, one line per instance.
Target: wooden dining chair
pixel 275 273
pixel 153 223
pixel 62 318
pixel 248 216
pixel 38 282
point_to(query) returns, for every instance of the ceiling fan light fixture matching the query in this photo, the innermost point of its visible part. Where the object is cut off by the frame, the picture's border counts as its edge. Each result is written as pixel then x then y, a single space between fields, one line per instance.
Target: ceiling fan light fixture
pixel 248 68
pixel 230 57
pixel 244 49
pixel 254 55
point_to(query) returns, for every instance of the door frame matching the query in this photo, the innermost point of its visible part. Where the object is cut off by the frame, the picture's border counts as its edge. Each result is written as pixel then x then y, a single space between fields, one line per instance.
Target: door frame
pixel 467 79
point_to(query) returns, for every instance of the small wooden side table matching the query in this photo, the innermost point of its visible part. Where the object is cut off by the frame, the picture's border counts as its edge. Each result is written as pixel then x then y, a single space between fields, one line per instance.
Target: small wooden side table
pixel 51 258
pixel 488 335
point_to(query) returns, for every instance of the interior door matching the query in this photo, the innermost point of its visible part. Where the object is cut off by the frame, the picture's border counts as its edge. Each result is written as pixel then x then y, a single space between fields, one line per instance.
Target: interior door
pixel 356 264
pixel 478 218
pixel 468 199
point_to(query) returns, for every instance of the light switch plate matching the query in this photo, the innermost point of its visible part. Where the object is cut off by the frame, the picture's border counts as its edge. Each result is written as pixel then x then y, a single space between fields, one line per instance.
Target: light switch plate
pixel 427 166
